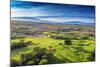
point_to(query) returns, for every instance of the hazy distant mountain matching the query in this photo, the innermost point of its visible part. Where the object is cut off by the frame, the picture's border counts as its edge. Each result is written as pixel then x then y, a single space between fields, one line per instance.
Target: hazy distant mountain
pixel 74 22
pixel 26 19
pixel 79 23
pixel 32 19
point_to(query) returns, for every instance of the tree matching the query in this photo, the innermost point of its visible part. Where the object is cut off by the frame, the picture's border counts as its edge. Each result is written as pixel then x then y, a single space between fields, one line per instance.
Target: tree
pixel 92 56
pixel 68 42
pixel 85 38
pixel 60 44
pixel 43 61
pixel 58 30
pixel 26 58
pixel 38 54
pixel 15 63
pixel 28 43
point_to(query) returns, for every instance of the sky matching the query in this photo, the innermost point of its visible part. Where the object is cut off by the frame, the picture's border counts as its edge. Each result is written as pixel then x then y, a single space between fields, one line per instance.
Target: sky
pixel 51 12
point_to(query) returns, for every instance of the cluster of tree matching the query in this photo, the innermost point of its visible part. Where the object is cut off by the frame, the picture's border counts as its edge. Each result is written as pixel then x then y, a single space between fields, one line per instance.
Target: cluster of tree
pixel 66 42
pixel 22 30
pixel 36 57
pixel 62 36
pixel 17 37
pixel 92 56
pixel 20 44
pixel 84 38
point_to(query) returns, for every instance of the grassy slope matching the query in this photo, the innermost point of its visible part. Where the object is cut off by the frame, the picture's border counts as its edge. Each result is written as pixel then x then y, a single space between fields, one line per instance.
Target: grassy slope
pixel 73 53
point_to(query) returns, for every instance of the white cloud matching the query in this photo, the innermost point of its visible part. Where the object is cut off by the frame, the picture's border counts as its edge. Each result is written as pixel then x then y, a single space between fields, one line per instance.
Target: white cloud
pixel 64 19
pixel 30 12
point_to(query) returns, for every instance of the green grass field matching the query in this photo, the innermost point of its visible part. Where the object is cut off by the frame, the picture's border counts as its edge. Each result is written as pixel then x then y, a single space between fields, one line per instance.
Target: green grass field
pixel 51 44
pixel 65 53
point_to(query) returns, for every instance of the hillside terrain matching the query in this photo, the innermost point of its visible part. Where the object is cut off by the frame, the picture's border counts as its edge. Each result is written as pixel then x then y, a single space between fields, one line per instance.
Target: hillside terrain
pixel 47 43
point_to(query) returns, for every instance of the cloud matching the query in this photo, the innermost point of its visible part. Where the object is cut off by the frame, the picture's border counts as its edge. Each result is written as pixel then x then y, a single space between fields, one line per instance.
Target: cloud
pixel 53 12
pixel 32 12
pixel 64 19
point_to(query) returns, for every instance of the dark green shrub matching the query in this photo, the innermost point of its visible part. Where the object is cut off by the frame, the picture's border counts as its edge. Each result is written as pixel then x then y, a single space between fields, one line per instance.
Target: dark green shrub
pixel 20 44
pixel 68 42
pixel 15 63
pixel 92 56
pixel 60 44
pixel 43 61
pixel 26 58
pixel 81 44
pixel 85 38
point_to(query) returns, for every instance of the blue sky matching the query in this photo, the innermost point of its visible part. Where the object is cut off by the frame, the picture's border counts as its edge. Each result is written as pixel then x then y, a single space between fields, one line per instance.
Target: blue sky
pixel 35 11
